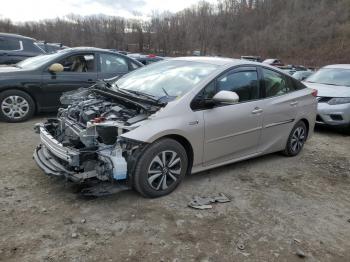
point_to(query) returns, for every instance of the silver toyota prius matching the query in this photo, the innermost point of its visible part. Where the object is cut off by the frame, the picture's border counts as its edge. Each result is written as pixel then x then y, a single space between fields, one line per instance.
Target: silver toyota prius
pixel 148 129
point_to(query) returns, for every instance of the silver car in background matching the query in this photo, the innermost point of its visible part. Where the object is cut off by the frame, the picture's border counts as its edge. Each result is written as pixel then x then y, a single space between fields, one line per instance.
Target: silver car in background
pixel 333 85
pixel 151 127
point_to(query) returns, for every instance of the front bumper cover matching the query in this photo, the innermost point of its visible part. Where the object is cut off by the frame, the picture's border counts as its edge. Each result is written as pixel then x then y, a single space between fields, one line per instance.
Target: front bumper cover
pixel 52 167
pixel 325 112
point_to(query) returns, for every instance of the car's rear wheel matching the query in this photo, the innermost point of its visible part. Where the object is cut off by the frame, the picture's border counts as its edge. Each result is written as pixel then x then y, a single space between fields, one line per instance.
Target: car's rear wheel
pixel 296 139
pixel 160 168
pixel 16 106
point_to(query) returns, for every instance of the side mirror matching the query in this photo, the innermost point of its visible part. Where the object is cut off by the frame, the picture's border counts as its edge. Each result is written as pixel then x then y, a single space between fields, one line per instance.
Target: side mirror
pixel 56 68
pixel 226 97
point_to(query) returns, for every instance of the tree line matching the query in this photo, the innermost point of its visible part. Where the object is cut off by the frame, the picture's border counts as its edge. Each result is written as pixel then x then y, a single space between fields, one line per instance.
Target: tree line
pixel 312 32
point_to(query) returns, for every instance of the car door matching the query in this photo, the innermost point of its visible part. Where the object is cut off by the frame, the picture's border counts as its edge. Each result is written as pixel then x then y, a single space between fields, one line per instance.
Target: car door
pixel 112 65
pixel 280 109
pixel 79 71
pixel 233 131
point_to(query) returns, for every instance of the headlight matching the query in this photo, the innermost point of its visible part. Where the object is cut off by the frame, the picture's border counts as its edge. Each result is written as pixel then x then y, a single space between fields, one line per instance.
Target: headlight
pixel 339 100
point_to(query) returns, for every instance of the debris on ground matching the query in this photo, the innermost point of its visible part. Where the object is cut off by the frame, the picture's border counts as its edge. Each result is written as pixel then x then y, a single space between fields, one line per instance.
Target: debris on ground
pixel 300 253
pixel 205 202
pixel 240 246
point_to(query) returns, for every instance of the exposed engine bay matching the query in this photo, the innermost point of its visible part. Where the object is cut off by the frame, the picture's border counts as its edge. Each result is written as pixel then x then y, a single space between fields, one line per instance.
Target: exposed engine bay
pixel 84 142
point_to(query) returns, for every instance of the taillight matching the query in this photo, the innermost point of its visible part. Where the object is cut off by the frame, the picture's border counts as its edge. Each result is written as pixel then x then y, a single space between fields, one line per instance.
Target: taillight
pixel 314 92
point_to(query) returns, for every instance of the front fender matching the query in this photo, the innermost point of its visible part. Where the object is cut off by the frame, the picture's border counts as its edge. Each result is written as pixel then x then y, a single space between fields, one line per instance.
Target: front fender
pixel 188 126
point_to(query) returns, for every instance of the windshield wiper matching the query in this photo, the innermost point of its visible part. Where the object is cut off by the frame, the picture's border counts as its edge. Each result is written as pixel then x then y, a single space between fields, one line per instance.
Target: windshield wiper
pixel 330 84
pixel 152 97
pixel 102 84
pixel 165 92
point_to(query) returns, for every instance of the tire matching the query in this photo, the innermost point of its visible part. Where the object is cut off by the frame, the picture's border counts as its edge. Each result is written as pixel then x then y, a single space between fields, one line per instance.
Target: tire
pixel 154 179
pixel 296 139
pixel 16 106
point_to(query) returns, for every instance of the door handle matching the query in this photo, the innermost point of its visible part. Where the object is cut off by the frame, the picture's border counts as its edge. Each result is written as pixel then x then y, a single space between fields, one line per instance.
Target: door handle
pixel 257 110
pixel 90 81
pixel 294 103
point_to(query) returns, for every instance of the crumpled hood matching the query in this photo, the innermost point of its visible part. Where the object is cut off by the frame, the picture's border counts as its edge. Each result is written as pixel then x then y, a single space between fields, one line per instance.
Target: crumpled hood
pixel 329 90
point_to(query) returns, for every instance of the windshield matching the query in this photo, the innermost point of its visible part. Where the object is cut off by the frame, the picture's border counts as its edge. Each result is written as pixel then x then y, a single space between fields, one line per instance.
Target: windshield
pixel 331 76
pixel 37 61
pixel 168 78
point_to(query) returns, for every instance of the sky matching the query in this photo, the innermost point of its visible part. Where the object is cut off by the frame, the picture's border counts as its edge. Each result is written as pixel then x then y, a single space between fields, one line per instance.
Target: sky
pixel 35 10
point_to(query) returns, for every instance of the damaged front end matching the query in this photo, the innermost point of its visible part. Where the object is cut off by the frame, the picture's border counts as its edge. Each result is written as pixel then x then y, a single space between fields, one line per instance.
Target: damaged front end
pixel 83 143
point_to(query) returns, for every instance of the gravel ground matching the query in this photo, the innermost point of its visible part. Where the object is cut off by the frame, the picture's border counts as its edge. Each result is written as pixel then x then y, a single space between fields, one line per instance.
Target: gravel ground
pixel 280 207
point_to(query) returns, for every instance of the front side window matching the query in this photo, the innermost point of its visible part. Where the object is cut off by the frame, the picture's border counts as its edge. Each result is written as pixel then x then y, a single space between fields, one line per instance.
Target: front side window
pixel 275 83
pixel 10 44
pixel 82 63
pixel 113 64
pixel 244 83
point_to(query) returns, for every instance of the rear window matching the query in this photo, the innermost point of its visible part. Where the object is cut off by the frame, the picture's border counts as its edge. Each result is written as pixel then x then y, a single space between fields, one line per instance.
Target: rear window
pixel 9 44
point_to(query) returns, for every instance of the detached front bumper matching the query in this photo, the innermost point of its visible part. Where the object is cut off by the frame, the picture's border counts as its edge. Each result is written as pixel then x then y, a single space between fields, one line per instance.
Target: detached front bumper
pixel 50 166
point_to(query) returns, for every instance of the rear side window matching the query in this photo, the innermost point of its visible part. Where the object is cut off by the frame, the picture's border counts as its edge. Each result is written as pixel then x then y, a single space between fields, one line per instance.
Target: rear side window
pixel 297 85
pixel 133 65
pixel 9 44
pixel 275 83
pixel 244 83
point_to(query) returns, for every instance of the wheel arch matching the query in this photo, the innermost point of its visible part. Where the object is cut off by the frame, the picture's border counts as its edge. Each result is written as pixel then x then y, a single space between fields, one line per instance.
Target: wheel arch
pixel 186 144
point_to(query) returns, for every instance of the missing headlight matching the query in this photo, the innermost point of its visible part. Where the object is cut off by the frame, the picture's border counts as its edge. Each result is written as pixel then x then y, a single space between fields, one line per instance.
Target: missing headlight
pixel 107 134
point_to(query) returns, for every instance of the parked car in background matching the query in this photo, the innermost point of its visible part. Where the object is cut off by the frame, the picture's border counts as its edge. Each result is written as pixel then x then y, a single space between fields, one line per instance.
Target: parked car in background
pixel 151 127
pixel 51 47
pixel 37 83
pixel 251 58
pixel 123 52
pixel 333 85
pixel 302 75
pixel 15 48
pixel 146 59
pixel 273 62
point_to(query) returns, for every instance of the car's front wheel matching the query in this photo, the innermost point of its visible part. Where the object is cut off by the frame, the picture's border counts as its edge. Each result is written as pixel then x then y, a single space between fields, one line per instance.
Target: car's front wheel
pixel 16 106
pixel 296 139
pixel 160 168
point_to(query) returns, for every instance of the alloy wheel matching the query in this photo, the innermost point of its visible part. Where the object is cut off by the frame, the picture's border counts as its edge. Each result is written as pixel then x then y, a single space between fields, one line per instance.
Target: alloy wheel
pixel 15 107
pixel 164 170
pixel 298 139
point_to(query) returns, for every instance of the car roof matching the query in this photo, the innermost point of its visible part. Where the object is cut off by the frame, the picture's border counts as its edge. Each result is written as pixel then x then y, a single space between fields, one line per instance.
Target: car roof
pixel 16 36
pixel 87 48
pixel 338 66
pixel 221 61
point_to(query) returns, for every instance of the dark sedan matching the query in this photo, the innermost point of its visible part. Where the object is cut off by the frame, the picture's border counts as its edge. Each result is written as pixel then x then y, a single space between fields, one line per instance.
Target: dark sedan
pixel 15 48
pixel 36 84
